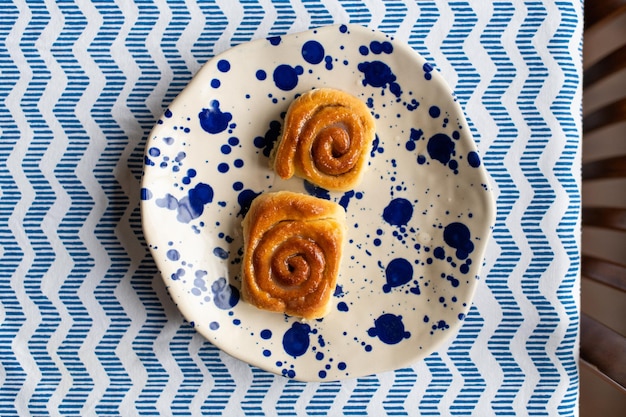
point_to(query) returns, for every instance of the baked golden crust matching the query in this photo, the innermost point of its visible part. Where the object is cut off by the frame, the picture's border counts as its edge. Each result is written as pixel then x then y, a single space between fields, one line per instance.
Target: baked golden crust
pixel 326 139
pixel 293 245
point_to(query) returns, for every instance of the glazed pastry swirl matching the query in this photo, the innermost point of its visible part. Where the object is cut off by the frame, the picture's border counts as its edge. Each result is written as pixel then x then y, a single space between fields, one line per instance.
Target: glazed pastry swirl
pixel 292 250
pixel 326 139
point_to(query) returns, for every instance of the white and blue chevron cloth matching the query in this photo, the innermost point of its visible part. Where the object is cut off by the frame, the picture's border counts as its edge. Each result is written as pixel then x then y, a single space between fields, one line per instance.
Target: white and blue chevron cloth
pixel 87 327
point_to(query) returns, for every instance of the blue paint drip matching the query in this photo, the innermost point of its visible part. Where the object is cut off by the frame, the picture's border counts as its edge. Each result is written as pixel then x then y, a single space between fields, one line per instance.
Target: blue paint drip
pixel 457 235
pixel 267 141
pixel 225 295
pixel 378 74
pixel 434 112
pixel 220 253
pixel 342 306
pixel 345 199
pixel 316 191
pixel 286 77
pixel 338 291
pixel 473 159
pixel 244 199
pixel 213 120
pixel 398 212
pixel 173 255
pixel 191 206
pixel 398 272
pixel 146 194
pixel 261 75
pixel 274 40
pixel 296 339
pixel 389 328
pixel 455 282
pixel 313 52
pixel 441 148
pixel 223 65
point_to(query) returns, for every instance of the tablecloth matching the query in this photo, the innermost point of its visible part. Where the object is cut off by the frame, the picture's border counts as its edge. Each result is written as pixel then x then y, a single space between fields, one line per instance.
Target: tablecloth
pixel 87 327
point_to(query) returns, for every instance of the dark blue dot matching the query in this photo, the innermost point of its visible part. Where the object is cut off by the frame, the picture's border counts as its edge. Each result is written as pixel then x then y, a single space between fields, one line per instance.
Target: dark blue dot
pixel 322 374
pixel 313 52
pixel 341 366
pixel 267 353
pixel 342 306
pixel 457 235
pixel 223 65
pixel 266 334
pixel 456 135
pixel 261 75
pixel 223 167
pixel 274 40
pixel 215 83
pixel 238 163
pixel 397 273
pixel 473 159
pixel 343 28
pixel 286 77
pixel 168 113
pixel 377 242
pixel 441 148
pixel 398 212
pixel 233 141
pixel 387 47
pixel 376 47
pixel 434 111
pixel 173 255
pixel 220 253
pixel 319 356
pixel 213 120
pixel 389 328
pixel 410 146
pixel 191 172
pixel 421 159
pixel 226 149
pixel 238 186
pixel 329 62
pixel 296 339
pixel 154 151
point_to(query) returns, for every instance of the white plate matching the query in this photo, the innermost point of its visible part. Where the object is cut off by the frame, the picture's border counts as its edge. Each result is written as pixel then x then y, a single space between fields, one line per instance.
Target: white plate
pixel 418 224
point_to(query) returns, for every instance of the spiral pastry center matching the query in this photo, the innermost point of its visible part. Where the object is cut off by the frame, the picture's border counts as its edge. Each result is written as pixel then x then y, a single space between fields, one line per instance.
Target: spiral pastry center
pixel 295 261
pixel 333 152
pixel 292 266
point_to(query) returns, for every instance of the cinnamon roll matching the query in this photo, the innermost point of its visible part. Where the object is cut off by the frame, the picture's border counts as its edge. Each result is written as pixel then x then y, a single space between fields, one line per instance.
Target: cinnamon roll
pixel 326 139
pixel 293 245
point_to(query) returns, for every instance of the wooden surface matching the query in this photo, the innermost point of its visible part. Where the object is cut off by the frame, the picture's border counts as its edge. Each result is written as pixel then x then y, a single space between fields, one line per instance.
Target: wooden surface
pixel 603 262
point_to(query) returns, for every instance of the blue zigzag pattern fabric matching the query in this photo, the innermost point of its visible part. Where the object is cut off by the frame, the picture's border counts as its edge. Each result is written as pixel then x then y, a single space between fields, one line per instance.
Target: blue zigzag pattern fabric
pixel 87 326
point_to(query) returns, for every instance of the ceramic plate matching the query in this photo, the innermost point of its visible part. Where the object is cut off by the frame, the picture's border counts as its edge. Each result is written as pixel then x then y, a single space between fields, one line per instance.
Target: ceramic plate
pixel 418 223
